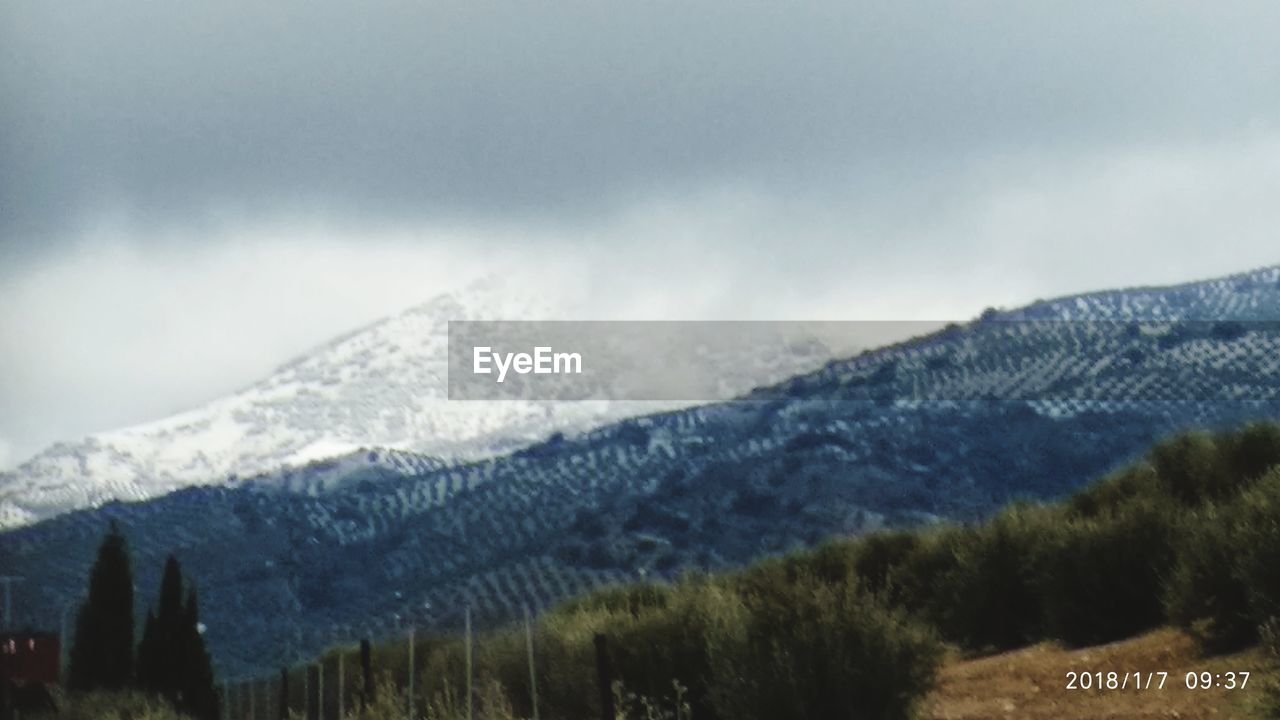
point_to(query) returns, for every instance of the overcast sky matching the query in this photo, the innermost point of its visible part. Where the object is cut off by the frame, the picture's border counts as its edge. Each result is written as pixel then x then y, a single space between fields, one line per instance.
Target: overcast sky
pixel 191 193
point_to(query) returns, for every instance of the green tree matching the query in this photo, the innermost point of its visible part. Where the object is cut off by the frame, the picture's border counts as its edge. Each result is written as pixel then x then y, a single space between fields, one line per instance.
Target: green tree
pixel 159 653
pixel 172 659
pixel 199 696
pixel 102 656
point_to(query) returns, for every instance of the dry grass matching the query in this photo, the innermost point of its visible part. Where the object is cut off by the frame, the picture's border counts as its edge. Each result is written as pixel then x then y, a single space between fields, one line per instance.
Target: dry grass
pixel 1029 684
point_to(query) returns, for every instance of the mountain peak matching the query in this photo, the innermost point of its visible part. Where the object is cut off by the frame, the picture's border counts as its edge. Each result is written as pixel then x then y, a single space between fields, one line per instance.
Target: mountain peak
pixel 380 387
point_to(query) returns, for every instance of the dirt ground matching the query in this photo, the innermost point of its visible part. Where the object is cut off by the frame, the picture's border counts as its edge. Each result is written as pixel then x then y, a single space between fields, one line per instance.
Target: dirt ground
pixel 1030 684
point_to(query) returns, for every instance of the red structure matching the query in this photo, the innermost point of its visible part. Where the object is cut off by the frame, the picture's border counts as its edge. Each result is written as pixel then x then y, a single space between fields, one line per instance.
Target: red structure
pixel 30 658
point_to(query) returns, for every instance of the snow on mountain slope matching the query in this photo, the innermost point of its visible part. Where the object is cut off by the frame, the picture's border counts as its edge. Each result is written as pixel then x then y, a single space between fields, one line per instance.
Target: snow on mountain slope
pixel 1027 404
pixel 378 389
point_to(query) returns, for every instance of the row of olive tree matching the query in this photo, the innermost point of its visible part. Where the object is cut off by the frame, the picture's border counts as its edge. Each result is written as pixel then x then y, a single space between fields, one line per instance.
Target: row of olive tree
pixel 848 630
pixel 770 644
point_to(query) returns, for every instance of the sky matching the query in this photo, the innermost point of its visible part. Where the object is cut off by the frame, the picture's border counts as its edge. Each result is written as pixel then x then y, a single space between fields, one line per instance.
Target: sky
pixel 193 193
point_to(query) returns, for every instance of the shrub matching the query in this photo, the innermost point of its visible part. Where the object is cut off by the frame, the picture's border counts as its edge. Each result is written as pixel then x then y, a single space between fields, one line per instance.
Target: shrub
pixel 879 557
pixel 1114 492
pixel 567 685
pixel 652 646
pixel 990 598
pixel 776 642
pixel 389 703
pixel 1191 468
pixel 115 706
pixel 808 649
pixel 1253 451
pixel 1257 542
pixel 621 598
pixel 1225 585
pixel 912 583
pixel 630 706
pixel 850 629
pixel 1101 579
pixel 1205 594
pixel 670 645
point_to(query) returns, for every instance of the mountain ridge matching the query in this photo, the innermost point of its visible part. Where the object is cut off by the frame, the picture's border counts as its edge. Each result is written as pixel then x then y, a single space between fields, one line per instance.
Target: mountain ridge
pixel 945 427
pixel 380 387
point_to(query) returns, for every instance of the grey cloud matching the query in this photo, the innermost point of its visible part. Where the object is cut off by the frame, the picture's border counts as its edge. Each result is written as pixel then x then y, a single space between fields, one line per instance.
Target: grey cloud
pixel 416 111
pixel 192 192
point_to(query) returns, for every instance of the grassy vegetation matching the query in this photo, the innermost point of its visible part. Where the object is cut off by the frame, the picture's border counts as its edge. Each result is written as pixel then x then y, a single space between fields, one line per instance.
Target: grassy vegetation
pixel 773 643
pixel 123 705
pixel 1190 537
pixel 857 628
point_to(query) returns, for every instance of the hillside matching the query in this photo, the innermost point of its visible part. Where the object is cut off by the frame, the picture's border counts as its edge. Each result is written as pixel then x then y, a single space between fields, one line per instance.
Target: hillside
pixel 977 620
pixel 371 403
pixel 1031 403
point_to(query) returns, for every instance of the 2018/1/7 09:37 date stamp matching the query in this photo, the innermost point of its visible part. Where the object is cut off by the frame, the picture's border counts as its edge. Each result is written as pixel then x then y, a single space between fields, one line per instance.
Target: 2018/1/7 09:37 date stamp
pixel 1204 680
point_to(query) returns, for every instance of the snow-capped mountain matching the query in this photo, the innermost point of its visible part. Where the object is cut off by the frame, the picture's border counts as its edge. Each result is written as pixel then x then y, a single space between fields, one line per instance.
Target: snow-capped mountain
pixel 1025 404
pixel 373 399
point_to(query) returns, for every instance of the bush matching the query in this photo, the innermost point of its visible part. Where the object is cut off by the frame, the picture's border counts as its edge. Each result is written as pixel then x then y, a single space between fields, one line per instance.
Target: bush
pixel 808 649
pixel 850 629
pixel 630 706
pixel 1205 594
pixel 775 642
pixel 1257 542
pixel 567 686
pixel 1252 451
pixel 912 583
pixel 1113 493
pixel 631 599
pixel 651 646
pixel 1192 469
pixel 880 557
pixel 989 596
pixel 674 645
pixel 1225 585
pixel 1101 579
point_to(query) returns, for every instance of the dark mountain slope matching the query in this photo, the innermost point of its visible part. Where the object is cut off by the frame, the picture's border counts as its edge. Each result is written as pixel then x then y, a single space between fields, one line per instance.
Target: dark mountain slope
pixel 1030 403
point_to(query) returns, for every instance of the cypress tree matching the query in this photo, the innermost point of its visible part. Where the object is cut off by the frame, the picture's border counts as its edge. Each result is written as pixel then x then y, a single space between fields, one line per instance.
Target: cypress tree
pixel 147 654
pixel 102 656
pixel 172 659
pixel 160 656
pixel 199 696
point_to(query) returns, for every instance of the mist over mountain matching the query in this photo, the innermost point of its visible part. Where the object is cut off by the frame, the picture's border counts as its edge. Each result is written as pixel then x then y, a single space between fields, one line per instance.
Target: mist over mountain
pixel 373 401
pixel 1030 403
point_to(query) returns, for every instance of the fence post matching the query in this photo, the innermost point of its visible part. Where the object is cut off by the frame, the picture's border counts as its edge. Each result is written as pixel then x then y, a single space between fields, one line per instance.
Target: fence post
pixel 313 708
pixel 410 673
pixel 284 694
pixel 604 673
pixel 64 646
pixel 320 687
pixel 251 693
pixel 469 692
pixel 366 669
pixel 342 706
pixel 533 673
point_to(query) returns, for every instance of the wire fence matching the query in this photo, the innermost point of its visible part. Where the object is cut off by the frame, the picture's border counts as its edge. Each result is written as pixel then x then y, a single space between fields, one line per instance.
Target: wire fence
pixel 345 682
